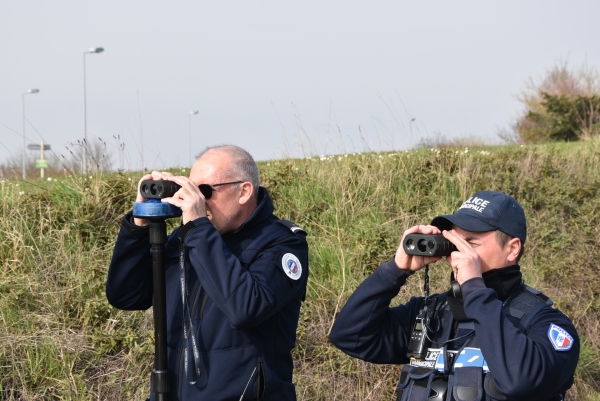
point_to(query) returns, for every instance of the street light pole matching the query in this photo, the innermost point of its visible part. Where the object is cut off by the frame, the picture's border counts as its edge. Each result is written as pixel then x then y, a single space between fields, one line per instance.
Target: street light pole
pixel 190 135
pixel 92 50
pixel 34 90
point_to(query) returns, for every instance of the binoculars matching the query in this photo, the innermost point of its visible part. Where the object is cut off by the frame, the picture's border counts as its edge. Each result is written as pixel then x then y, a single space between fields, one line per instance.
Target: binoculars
pixel 427 245
pixel 158 189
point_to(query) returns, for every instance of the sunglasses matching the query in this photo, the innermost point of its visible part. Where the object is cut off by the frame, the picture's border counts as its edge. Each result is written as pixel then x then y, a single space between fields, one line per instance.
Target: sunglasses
pixel 207 189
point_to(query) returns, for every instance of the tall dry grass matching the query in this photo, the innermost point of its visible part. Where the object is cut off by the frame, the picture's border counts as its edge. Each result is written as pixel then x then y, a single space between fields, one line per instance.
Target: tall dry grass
pixel 59 338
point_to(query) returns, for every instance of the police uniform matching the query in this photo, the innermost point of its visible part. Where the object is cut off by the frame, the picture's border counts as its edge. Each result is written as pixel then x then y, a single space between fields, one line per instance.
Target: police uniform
pixel 498 340
pixel 238 296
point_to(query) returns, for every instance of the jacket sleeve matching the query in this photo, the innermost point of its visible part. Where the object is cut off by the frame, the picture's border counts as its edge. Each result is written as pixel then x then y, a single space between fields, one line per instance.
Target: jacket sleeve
pixel 129 283
pixel 525 365
pixel 367 328
pixel 246 294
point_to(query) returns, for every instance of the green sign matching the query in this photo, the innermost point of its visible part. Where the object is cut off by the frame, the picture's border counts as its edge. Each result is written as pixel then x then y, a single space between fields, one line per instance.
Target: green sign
pixel 41 163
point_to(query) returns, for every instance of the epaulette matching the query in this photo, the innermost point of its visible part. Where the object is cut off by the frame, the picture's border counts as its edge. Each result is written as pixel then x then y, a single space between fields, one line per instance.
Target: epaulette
pixel 292 226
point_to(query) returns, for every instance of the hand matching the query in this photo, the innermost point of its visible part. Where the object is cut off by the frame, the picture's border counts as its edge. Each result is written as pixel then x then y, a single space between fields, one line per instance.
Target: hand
pixel 155 175
pixel 188 198
pixel 465 262
pixel 412 263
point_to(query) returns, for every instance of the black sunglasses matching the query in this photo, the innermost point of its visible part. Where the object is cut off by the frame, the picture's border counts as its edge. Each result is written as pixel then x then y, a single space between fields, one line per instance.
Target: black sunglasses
pixel 207 189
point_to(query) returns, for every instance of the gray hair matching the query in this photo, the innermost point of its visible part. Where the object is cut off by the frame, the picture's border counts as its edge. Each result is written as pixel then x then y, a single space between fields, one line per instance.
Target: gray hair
pixel 243 168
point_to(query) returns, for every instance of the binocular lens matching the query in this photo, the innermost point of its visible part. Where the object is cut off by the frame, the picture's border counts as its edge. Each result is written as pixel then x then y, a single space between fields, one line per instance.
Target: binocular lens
pixel 151 189
pixel 410 244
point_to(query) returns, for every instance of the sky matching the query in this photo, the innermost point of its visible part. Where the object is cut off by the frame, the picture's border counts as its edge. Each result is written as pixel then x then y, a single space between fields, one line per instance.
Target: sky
pixel 278 78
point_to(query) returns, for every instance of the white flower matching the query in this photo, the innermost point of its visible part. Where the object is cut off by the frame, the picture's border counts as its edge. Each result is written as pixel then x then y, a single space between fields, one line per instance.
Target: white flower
pixel 49 178
pixel 91 177
pixel 129 179
pixel 21 192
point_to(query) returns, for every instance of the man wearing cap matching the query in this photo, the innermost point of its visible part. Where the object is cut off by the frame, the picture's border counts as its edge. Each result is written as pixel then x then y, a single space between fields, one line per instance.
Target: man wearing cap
pixel 492 338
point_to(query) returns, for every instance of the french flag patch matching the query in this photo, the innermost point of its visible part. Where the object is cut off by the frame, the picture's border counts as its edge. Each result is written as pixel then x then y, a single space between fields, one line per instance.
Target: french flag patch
pixel 561 340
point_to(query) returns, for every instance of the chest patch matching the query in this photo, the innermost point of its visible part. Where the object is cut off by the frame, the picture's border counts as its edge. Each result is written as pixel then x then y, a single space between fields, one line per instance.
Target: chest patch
pixel 291 266
pixel 561 340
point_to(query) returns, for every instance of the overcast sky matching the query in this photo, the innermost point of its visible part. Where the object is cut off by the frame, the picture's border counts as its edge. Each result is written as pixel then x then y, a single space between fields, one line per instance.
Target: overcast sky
pixel 279 78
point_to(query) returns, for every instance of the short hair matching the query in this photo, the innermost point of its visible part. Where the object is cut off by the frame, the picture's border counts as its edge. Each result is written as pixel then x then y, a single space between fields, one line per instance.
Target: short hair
pixel 503 238
pixel 243 167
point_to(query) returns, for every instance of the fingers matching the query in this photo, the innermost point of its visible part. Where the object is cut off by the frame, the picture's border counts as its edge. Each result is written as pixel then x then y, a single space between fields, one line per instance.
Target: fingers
pixel 465 262
pixel 188 198
pixel 461 244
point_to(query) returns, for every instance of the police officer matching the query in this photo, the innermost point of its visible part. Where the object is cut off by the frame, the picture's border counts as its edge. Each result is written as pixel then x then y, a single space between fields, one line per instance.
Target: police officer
pixel 235 278
pixel 492 338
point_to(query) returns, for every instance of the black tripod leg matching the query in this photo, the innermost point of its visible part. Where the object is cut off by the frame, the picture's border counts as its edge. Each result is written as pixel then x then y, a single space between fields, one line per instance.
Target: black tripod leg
pixel 160 371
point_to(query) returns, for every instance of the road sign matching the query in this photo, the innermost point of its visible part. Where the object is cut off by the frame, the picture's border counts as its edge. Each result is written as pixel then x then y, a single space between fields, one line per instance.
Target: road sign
pixel 35 146
pixel 41 163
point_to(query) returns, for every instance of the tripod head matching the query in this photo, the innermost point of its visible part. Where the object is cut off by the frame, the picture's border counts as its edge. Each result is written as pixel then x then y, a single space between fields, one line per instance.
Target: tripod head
pixel 155 210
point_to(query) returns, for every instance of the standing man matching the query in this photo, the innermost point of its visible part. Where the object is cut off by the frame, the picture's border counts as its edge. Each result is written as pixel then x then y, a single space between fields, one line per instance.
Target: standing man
pixel 492 338
pixel 235 278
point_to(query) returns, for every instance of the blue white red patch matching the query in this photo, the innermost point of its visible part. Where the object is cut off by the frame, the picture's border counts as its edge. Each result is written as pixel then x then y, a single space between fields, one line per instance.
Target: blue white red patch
pixel 291 266
pixel 561 340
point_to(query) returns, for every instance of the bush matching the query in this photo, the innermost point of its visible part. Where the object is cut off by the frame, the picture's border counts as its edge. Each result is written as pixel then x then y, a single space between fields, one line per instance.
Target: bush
pixel 564 106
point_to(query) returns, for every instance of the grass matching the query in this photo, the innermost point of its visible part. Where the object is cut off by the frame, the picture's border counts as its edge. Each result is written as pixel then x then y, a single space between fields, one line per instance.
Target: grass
pixel 60 340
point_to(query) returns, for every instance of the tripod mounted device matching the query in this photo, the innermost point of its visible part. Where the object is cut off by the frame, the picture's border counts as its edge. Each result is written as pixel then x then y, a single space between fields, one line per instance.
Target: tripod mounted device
pixel 157 212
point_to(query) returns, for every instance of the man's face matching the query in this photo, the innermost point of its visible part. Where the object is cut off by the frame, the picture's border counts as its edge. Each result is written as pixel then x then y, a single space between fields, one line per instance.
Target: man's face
pixel 223 208
pixel 491 254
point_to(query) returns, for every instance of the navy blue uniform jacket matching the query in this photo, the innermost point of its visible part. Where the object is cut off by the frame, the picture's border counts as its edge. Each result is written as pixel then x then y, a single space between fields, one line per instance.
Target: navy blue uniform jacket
pixel 525 365
pixel 245 326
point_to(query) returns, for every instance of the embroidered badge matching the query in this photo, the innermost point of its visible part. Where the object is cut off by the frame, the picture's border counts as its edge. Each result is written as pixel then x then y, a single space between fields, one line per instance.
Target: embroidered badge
pixel 291 266
pixel 561 340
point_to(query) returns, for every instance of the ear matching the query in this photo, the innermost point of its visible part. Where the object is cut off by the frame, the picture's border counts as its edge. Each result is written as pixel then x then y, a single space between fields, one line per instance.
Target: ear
pixel 245 190
pixel 514 248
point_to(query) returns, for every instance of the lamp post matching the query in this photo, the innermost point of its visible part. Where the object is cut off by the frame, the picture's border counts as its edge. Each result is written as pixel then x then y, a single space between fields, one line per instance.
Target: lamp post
pixel 33 90
pixel 190 135
pixel 92 50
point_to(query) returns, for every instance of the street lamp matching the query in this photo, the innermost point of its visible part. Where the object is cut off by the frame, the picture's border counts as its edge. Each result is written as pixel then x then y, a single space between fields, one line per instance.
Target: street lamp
pixel 34 90
pixel 190 135
pixel 92 50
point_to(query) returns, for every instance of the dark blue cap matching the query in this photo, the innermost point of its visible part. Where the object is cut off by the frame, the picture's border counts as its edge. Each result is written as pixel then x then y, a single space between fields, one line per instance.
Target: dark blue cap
pixel 487 211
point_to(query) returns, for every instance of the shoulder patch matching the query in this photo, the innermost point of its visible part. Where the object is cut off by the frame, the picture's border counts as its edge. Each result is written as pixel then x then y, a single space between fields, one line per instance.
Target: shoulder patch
pixel 291 266
pixel 292 226
pixel 561 340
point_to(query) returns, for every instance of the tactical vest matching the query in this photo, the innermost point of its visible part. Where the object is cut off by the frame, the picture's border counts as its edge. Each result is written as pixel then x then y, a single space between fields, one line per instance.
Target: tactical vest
pixel 451 375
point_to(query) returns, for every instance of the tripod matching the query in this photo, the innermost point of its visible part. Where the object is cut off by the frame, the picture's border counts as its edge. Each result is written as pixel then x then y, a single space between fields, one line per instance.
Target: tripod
pixel 157 213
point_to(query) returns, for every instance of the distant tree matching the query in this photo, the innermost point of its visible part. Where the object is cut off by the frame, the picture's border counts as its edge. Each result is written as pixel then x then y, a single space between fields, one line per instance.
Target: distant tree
pixel 563 106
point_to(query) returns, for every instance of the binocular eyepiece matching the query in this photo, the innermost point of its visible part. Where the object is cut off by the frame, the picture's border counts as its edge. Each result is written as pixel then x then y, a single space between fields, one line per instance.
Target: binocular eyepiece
pixel 427 245
pixel 158 189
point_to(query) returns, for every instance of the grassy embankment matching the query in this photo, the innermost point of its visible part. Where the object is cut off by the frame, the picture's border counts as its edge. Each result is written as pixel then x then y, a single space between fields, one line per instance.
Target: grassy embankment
pixel 59 338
